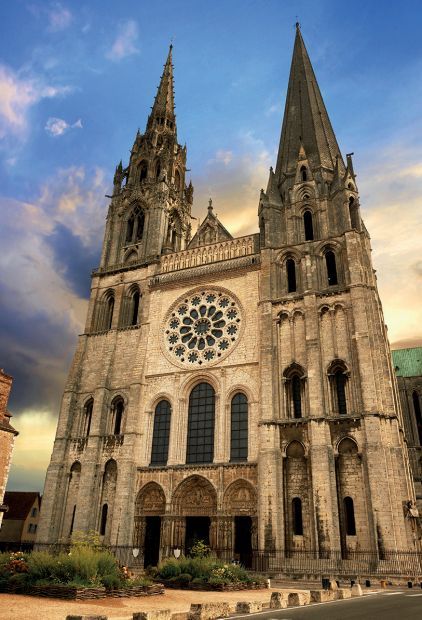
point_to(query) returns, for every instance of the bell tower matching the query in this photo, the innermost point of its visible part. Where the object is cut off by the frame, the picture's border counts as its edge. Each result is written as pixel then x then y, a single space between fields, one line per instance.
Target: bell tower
pixel 150 209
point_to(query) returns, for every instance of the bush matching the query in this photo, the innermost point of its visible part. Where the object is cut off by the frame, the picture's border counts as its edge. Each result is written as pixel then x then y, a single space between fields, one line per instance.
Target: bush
pixel 111 582
pixel 184 578
pixel 169 568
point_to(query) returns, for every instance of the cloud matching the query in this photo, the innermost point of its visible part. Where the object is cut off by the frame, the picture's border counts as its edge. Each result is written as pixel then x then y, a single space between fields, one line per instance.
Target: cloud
pixel 125 42
pixel 58 126
pixel 59 17
pixel 32 450
pixel 17 95
pixel 222 156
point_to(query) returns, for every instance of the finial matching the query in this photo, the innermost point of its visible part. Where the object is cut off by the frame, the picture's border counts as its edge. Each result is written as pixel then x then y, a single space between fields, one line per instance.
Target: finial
pixel 210 204
pixel 297 24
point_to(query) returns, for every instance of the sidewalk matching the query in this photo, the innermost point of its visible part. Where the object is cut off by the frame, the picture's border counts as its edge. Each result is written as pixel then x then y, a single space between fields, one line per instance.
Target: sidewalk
pixel 19 607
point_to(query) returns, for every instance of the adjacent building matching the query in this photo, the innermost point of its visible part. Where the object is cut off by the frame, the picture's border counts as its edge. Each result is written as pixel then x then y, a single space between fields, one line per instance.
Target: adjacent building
pixel 7 438
pixel 234 390
pixel 408 367
pixel 20 522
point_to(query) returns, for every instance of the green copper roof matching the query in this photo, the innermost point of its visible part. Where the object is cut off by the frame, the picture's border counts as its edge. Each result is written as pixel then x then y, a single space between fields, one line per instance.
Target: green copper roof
pixel 408 362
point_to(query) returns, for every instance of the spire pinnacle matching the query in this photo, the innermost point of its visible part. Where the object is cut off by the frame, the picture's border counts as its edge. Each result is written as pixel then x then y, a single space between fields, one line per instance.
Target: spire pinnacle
pixel 163 109
pixel 306 123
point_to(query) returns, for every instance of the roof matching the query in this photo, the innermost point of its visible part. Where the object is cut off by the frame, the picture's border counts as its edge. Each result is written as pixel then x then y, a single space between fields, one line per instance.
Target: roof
pixel 306 123
pixel 408 362
pixel 19 503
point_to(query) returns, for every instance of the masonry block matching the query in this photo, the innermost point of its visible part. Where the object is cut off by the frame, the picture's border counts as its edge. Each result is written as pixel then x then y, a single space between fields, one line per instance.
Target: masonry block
pixel 295 599
pixel 156 614
pixel 356 590
pixel 248 607
pixel 208 611
pixel 278 600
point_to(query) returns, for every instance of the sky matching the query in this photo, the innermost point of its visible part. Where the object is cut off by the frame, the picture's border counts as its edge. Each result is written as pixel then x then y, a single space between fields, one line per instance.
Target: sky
pixel 77 79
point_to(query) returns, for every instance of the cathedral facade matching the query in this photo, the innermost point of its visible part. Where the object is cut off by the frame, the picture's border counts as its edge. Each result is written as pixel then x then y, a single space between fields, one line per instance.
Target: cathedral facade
pixel 234 390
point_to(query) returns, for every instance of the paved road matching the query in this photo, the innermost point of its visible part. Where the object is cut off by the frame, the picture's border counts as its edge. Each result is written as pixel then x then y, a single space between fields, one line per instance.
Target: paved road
pixel 384 606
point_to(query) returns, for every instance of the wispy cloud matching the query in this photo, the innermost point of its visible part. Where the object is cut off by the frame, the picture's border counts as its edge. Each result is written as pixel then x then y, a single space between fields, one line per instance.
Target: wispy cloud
pixel 59 17
pixel 125 43
pixel 58 126
pixel 17 95
pixel 223 156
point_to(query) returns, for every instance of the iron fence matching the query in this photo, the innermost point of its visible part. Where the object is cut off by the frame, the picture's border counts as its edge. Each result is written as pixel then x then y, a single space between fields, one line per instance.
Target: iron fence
pixel 296 563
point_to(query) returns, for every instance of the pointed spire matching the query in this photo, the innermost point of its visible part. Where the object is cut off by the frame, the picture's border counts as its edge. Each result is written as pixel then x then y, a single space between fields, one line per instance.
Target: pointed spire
pixel 305 124
pixel 163 107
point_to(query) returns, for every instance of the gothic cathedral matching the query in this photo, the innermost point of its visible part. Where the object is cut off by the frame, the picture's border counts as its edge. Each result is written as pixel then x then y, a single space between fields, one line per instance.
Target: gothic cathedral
pixel 234 390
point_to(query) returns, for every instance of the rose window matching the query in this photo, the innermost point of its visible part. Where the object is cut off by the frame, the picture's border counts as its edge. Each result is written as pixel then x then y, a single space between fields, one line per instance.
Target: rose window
pixel 202 327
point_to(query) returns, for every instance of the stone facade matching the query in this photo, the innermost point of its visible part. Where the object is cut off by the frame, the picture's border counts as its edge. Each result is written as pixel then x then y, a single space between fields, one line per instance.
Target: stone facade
pixel 7 437
pixel 282 333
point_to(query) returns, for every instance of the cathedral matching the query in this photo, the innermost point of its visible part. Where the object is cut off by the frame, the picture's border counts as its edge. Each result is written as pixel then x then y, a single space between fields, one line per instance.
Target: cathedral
pixel 238 391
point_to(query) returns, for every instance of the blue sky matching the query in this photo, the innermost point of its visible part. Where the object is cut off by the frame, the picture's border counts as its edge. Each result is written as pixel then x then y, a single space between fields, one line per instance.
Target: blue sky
pixel 78 78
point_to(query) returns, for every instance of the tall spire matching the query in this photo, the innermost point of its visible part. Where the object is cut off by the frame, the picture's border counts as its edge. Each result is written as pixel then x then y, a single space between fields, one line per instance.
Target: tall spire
pixel 305 123
pixel 163 107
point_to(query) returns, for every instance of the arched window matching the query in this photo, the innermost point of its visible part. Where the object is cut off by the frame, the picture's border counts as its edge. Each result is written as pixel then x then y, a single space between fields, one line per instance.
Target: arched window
pixel 157 169
pixel 103 522
pixel 109 312
pixel 308 226
pixel 143 171
pixel 353 212
pixel 200 441
pixel 291 275
pixel 296 397
pixel 72 520
pixel 161 433
pixel 294 386
pixel 177 180
pixel 135 308
pixel 349 515
pixel 87 416
pixel 304 173
pixel 239 428
pixel 135 225
pixel 297 520
pixel 139 225
pixel 117 415
pixel 418 414
pixel 340 380
pixel 330 261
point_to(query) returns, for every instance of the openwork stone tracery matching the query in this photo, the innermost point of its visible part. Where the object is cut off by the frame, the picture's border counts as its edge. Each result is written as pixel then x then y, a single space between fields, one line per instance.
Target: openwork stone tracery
pixel 202 327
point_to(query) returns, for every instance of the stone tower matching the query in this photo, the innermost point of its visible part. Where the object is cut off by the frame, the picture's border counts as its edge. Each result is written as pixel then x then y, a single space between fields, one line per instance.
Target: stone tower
pixel 235 390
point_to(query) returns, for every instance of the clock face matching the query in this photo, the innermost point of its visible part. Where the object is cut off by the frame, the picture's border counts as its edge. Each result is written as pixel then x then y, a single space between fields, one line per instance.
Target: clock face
pixel 202 327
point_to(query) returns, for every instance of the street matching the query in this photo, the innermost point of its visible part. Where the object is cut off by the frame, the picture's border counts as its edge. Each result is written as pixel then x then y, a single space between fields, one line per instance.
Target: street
pixel 386 605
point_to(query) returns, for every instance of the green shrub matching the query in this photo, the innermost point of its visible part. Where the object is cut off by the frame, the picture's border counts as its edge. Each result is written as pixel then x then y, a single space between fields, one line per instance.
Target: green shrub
pixel 21 581
pixel 169 568
pixel 199 581
pixel 111 581
pixel 184 578
pixel 200 549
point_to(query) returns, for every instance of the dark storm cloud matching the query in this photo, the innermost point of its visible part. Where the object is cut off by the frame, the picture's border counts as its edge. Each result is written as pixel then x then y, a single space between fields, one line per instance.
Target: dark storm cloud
pixel 74 258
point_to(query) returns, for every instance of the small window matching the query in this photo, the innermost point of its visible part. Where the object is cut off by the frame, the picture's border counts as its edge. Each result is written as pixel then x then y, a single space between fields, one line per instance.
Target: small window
pixel 239 428
pixel 304 173
pixel 161 433
pixel 34 512
pixel 72 520
pixel 297 516
pixel 129 230
pixel 296 397
pixel 330 261
pixel 118 409
pixel 88 417
pixel 143 171
pixel 340 385
pixel 109 312
pixel 418 414
pixel 291 275
pixel 157 169
pixel 103 523
pixel 349 514
pixel 135 308
pixel 308 226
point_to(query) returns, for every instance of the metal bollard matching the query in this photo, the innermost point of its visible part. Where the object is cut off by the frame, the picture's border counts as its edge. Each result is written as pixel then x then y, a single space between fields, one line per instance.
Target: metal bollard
pixel 367 583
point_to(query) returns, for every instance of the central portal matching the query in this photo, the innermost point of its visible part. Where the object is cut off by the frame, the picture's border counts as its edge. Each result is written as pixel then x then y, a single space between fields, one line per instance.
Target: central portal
pixel 197 528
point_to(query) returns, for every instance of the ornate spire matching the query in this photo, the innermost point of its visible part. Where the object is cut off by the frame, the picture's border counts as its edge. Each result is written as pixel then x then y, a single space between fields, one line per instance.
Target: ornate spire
pixel 162 113
pixel 305 123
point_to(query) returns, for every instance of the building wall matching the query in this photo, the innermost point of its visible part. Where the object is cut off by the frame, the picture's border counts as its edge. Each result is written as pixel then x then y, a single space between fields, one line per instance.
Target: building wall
pixel 7 435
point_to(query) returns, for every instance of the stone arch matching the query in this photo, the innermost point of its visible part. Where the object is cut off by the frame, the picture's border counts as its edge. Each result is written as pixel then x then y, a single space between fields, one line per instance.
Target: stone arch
pixel 347 445
pixel 195 496
pixel 150 500
pixel 240 498
pixel 295 449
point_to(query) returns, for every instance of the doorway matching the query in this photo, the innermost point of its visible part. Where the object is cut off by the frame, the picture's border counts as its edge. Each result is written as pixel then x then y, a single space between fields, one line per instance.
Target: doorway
pixel 243 540
pixel 152 541
pixel 197 528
